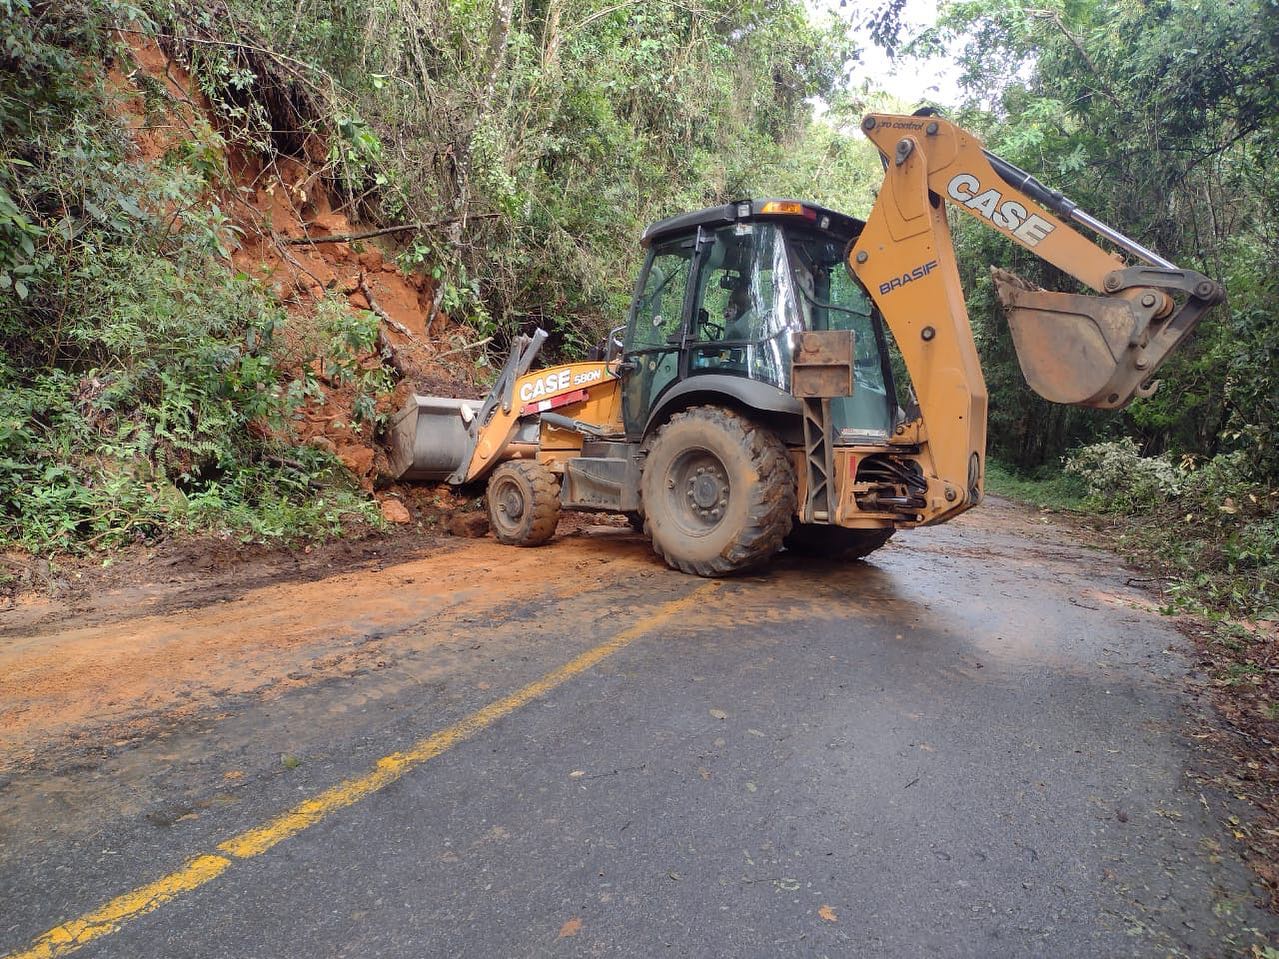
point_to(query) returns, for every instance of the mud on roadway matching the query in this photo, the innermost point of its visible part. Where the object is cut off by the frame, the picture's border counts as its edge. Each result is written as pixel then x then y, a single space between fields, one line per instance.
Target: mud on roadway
pixel 980 742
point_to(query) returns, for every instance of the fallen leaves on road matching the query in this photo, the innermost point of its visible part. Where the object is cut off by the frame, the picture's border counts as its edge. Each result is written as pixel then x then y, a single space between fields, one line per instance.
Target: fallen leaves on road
pixel 571 927
pixel 718 714
pixel 827 913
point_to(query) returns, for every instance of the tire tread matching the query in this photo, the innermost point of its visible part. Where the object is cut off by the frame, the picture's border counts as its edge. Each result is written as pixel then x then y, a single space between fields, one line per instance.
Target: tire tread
pixel 544 502
pixel 773 498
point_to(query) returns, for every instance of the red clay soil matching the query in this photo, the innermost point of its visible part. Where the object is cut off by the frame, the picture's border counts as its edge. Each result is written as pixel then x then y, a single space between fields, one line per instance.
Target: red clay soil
pixel 277 205
pixel 166 640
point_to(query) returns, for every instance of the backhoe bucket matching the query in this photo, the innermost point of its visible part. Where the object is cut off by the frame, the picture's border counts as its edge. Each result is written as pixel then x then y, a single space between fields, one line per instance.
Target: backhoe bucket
pixel 429 438
pixel 1093 351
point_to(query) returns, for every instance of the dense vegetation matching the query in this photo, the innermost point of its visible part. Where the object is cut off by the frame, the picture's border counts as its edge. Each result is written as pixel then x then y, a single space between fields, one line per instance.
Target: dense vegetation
pixel 1159 118
pixel 143 386
pixel 139 384
pixel 541 137
pixel 523 146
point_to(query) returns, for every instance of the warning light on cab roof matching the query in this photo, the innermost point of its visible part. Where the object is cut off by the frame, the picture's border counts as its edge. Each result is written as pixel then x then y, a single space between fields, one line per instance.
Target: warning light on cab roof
pixel 789 207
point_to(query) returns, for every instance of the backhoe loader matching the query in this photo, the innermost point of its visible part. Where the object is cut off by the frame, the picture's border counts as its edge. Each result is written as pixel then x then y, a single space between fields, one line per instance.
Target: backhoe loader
pixel 749 402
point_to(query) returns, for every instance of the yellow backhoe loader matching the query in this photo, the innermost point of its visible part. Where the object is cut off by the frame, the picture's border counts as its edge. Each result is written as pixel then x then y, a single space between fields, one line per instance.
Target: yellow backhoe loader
pixel 749 403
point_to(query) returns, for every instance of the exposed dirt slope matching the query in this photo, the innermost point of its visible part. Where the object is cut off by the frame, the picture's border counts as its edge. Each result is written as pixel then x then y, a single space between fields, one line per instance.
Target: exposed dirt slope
pixel 282 219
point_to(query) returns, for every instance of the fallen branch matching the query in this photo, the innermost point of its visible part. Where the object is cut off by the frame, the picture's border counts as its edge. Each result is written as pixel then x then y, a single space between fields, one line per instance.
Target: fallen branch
pixel 381 313
pixel 384 231
pixel 463 349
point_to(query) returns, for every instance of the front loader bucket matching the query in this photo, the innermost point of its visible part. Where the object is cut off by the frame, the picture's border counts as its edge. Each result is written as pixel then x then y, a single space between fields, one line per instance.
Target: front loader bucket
pixel 429 438
pixel 1089 350
pixel 435 437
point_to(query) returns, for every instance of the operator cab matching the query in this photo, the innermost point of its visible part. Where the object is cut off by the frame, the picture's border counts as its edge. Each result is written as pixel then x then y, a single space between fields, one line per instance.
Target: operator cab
pixel 726 291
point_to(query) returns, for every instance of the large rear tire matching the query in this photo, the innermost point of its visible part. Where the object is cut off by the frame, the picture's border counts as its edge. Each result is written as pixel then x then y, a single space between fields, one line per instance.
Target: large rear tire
pixel 523 503
pixel 836 542
pixel 718 492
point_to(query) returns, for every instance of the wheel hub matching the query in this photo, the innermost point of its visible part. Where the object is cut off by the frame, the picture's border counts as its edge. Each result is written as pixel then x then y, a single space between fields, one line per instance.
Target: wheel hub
pixel 705 489
pixel 699 490
pixel 510 502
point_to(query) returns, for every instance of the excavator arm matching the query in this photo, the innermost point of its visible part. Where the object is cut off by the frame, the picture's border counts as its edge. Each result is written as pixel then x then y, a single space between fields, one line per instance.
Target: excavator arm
pixel 1097 351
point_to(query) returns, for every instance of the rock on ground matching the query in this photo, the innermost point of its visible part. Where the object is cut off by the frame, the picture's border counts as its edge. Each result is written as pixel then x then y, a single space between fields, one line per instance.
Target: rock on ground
pixel 470 525
pixel 393 511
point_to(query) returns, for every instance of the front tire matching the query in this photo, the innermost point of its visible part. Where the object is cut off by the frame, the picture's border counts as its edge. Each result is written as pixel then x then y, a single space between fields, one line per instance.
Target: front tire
pixel 523 503
pixel 836 542
pixel 718 492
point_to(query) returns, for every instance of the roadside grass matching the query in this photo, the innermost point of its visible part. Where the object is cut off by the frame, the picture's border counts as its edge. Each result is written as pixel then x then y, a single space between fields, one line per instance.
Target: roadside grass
pixel 1046 488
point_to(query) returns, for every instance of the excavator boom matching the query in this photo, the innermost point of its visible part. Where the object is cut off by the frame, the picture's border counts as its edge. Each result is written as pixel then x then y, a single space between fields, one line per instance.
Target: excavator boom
pixel 1078 350
pixel 1098 351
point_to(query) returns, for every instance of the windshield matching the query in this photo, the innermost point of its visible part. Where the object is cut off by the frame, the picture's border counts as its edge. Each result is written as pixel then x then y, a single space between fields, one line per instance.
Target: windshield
pixel 831 299
pixel 747 310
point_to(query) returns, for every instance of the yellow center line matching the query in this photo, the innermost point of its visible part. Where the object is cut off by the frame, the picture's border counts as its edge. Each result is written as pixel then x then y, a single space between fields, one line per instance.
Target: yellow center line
pixel 66 938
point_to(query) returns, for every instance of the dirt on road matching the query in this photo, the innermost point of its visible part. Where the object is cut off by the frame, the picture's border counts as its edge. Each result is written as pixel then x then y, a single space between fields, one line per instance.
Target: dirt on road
pixel 172 644
pixel 93 685
pixel 990 699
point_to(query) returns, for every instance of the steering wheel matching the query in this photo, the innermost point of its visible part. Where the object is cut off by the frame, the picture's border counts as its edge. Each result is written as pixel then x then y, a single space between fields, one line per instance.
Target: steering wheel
pixel 711 330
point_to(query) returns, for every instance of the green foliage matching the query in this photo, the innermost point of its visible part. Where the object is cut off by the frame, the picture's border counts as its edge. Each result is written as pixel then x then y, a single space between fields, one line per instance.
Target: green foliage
pixel 1208 523
pixel 1043 487
pixel 1159 119
pixel 542 138
pixel 352 338
pixel 138 392
pixel 1121 480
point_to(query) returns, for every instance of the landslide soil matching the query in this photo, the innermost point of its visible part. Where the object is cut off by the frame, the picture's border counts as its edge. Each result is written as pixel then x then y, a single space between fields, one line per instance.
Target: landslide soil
pixel 177 633
pixel 288 229
pixel 167 632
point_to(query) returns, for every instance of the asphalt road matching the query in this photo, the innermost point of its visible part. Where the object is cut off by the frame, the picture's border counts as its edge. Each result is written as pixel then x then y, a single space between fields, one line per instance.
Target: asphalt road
pixel 974 745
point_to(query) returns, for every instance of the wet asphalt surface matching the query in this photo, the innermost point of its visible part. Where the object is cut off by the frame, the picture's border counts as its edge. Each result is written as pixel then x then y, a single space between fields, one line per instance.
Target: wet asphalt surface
pixel 974 745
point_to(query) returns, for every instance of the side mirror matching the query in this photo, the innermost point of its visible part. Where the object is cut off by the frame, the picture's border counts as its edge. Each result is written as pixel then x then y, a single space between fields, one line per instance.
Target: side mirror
pixel 615 343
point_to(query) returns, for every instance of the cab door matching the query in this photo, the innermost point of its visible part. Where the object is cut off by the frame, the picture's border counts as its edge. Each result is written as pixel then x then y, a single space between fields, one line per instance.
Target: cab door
pixel 655 334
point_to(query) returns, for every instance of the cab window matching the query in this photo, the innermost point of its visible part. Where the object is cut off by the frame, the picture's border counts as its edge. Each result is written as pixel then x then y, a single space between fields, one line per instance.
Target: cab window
pixel 745 309
pixel 659 312
pixel 831 299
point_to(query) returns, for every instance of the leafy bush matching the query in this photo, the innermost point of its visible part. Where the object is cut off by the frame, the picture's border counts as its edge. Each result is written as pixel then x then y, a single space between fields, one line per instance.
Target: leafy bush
pixel 1120 479
pixel 138 390
pixel 1210 527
